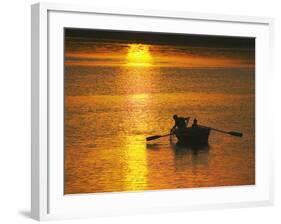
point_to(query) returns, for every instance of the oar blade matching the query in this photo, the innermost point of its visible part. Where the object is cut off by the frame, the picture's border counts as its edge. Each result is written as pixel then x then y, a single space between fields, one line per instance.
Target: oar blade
pixel 153 137
pixel 234 133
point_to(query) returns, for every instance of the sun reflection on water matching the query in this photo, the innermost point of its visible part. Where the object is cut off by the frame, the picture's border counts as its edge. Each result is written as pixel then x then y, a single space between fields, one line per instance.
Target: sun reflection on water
pixel 136 171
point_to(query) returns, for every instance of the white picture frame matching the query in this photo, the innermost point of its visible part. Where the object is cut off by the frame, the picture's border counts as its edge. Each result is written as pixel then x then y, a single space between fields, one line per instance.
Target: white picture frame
pixel 48 201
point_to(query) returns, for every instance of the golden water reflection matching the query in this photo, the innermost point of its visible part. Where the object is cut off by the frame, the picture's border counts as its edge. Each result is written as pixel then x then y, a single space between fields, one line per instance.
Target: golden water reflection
pixel 136 167
pixel 106 127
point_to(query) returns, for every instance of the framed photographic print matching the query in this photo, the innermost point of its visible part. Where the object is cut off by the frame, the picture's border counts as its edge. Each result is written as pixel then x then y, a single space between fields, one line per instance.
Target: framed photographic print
pixel 148 111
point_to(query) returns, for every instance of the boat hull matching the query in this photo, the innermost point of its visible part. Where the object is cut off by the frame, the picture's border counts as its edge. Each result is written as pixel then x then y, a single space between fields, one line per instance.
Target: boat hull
pixel 193 136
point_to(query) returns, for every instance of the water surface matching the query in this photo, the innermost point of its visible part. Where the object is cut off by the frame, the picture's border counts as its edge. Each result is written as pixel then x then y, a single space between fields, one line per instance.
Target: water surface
pixel 109 111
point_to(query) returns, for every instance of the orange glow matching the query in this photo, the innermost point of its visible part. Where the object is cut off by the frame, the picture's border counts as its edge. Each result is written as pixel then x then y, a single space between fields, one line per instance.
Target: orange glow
pixel 139 55
pixel 144 55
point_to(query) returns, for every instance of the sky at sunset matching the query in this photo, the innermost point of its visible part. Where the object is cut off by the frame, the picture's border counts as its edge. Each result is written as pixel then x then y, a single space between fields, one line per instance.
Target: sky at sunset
pixel 119 48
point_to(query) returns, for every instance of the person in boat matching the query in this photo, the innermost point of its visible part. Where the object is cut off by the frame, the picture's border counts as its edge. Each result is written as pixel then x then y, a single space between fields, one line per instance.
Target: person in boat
pixel 180 123
pixel 195 125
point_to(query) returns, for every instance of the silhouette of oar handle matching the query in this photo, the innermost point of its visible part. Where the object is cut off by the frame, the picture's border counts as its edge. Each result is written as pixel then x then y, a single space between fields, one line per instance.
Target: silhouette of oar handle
pixel 233 133
pixel 157 136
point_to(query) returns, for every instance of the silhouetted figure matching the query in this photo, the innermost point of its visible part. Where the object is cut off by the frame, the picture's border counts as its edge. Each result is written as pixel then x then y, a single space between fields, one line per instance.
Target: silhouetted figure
pixel 195 125
pixel 180 123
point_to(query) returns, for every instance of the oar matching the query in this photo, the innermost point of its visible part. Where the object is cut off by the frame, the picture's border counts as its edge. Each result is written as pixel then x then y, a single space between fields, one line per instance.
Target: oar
pixel 157 136
pixel 233 133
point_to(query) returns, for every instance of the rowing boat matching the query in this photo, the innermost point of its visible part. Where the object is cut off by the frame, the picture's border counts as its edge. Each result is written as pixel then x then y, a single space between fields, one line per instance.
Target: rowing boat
pixel 193 136
pixel 196 135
